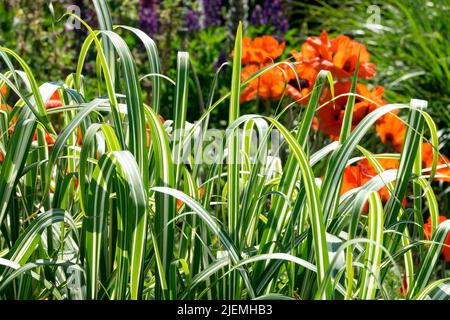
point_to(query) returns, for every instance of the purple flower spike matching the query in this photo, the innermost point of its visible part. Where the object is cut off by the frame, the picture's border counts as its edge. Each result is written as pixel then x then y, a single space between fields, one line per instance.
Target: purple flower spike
pixel 273 11
pixel 148 16
pixel 192 21
pixel 211 10
pixel 258 18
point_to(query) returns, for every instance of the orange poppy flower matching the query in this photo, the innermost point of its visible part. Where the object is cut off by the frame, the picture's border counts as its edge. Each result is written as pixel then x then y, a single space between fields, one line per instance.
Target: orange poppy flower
pixel 391 131
pixel 307 75
pixel 331 115
pixel 270 85
pixel 5 107
pixel 317 47
pixel 261 52
pixel 339 56
pixel 345 56
pixel 4 91
pixel 368 172
pixel 201 191
pixel 427 162
pixel 445 253
pixel 359 174
pixel 352 178
pixel 315 124
pixel 261 49
pixel 48 138
pixel 54 101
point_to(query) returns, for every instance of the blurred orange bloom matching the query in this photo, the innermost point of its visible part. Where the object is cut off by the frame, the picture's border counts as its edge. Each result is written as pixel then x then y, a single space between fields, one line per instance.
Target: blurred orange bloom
pixel 48 138
pixel 79 137
pixel 315 124
pixel 391 131
pixel 201 191
pixel 261 50
pixel 339 56
pixel 5 107
pixel 54 101
pixel 4 91
pixel 270 85
pixel 404 287
pixel 147 127
pixel 427 162
pixel 445 253
pixel 331 115
pixel 75 181
pixel 8 108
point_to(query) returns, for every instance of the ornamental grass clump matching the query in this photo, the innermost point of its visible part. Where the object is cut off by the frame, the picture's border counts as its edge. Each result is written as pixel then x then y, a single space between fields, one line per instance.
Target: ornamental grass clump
pixel 101 198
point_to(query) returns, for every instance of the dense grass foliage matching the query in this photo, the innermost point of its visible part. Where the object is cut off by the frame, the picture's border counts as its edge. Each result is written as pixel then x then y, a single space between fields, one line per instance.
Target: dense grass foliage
pixel 102 199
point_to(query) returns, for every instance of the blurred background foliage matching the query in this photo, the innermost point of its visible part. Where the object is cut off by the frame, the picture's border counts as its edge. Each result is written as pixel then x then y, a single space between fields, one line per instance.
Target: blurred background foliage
pixel 408 40
pixel 203 28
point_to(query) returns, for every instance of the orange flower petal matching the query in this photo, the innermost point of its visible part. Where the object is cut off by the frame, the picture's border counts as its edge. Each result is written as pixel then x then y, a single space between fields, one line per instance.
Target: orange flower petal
pixel 392 131
pixel 339 56
pixel 4 91
pixel 359 174
pixel 261 49
pixel 53 104
pixel 201 191
pixel 427 162
pixel 331 115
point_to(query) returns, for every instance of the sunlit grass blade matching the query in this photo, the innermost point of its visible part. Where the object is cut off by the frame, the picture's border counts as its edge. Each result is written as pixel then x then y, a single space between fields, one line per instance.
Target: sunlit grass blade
pixel 155 65
pixel 165 205
pixel 180 111
pixel 121 167
pixel 370 275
